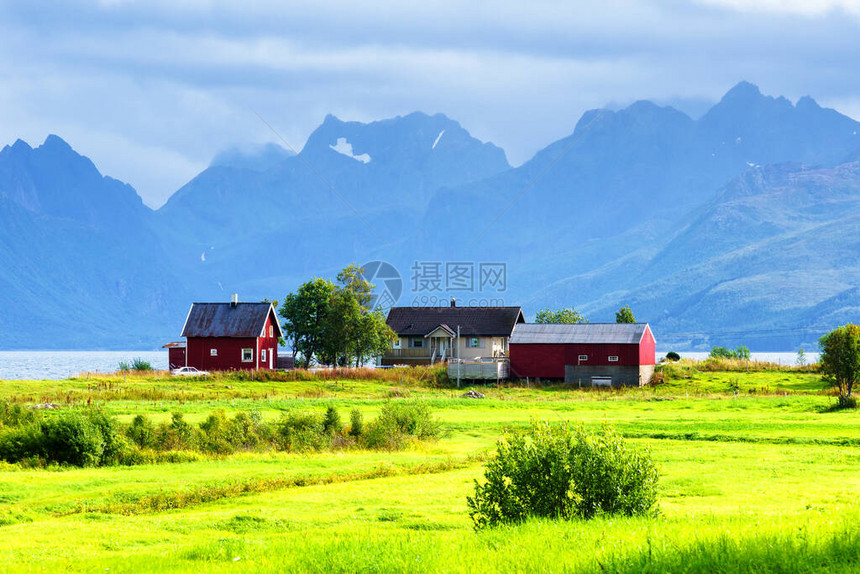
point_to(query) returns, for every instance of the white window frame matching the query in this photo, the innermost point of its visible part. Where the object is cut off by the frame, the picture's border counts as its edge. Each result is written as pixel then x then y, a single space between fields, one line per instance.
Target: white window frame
pixel 250 352
pixel 613 358
pixel 271 331
pixel 583 357
pixel 263 355
pixel 396 343
pixel 213 352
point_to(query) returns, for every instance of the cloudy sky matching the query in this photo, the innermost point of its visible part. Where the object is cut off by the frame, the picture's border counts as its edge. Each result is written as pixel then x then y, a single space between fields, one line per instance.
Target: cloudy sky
pixel 151 90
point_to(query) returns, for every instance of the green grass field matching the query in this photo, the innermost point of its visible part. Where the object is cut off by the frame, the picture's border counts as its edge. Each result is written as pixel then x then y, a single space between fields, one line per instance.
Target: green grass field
pixel 757 474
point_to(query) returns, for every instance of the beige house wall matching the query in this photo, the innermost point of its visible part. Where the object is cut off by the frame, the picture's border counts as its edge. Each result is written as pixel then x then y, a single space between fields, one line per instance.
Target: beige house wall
pixel 487 347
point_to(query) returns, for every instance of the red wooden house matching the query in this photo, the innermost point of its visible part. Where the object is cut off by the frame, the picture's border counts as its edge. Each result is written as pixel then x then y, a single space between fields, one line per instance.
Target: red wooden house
pixel 231 336
pixel 584 353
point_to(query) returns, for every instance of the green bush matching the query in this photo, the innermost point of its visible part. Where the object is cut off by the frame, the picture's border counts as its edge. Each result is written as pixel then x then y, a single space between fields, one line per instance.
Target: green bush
pixel 139 364
pixel 215 435
pixel 723 353
pixel 20 443
pixel 72 438
pixel 331 422
pixel 141 432
pixel 673 356
pixel 555 471
pixel 301 431
pixel 176 435
pixel 356 423
pixel 14 415
pixel 112 439
pixel 400 421
pixel 247 430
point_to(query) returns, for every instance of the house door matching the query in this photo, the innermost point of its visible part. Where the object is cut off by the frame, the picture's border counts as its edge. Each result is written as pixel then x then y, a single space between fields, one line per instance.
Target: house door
pixel 270 359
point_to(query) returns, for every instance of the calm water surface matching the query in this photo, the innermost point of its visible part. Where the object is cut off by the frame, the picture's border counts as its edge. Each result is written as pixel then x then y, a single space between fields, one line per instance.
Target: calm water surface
pixel 62 364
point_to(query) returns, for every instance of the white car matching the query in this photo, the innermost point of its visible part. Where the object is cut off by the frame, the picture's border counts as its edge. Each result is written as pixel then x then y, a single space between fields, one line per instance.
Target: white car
pixel 188 372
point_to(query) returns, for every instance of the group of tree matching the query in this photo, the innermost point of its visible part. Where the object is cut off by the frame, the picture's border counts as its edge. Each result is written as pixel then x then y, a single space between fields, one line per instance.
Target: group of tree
pixel 332 323
pixel 571 315
pixel 740 352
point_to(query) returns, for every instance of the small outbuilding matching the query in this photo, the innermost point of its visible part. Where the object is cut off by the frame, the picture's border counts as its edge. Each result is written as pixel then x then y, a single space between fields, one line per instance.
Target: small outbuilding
pixel 232 336
pixel 592 354
pixel 175 354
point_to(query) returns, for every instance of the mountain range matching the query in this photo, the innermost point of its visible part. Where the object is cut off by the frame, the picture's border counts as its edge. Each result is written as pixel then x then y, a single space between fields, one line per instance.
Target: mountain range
pixel 739 227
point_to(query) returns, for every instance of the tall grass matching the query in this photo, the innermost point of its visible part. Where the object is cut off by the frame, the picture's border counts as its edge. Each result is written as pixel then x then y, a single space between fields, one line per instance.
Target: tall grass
pixel 733 365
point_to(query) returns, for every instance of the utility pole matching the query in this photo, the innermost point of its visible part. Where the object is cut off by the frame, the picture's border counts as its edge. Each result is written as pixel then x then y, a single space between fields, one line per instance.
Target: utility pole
pixel 458 356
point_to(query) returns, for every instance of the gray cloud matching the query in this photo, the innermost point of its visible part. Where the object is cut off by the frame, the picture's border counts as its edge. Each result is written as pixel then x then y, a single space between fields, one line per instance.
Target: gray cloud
pixel 152 90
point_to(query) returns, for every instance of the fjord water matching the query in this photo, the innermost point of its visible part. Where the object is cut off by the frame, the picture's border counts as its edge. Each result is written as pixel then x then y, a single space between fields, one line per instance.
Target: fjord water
pixel 63 364
pixel 15 365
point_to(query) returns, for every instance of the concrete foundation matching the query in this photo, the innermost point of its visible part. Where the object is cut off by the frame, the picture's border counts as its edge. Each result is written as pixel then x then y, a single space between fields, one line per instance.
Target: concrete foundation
pixel 615 375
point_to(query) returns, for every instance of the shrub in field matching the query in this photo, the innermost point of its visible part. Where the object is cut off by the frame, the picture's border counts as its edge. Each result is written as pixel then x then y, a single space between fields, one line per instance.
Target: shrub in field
pixel 139 364
pixel 141 432
pixel 301 431
pixel 399 421
pixel 673 356
pixel 176 435
pixel 114 443
pixel 723 353
pixel 21 443
pixel 356 423
pixel 247 430
pixel 14 415
pixel 215 433
pixel 556 471
pixel 331 422
pixel 223 435
pixel 123 366
pixel 71 438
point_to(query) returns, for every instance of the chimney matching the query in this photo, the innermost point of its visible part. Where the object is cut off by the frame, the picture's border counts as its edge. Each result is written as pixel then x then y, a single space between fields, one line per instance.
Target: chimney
pixel 234 300
pixel 453 302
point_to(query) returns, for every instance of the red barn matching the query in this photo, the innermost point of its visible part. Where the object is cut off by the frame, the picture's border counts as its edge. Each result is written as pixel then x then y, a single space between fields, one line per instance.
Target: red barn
pixel 584 353
pixel 231 336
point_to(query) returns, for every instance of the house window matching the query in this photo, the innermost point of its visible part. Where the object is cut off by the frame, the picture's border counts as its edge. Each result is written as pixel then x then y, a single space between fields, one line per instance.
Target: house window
pixel 613 358
pixel 396 343
pixel 417 342
pixel 583 357
pixel 473 342
pixel 247 355
pixel 263 355
pixel 271 331
pixel 213 352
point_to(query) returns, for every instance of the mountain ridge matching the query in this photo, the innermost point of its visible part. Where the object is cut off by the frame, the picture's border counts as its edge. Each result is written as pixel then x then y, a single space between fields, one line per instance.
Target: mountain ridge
pixel 642 205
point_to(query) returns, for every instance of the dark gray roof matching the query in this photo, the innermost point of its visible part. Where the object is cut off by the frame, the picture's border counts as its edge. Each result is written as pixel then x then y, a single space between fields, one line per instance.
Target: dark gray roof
pixel 224 320
pixel 473 321
pixel 615 333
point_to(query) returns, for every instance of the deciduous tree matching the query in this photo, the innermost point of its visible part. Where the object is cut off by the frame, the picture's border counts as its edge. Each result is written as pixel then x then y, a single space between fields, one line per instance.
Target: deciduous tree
pixel 564 315
pixel 624 315
pixel 840 360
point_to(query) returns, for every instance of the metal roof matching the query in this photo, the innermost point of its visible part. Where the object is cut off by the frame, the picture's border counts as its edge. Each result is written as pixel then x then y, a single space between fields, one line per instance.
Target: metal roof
pixel 226 320
pixel 473 321
pixel 579 333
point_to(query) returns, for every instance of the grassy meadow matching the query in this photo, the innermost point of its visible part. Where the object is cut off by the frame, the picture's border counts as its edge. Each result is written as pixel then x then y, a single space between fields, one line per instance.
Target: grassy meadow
pixel 757 473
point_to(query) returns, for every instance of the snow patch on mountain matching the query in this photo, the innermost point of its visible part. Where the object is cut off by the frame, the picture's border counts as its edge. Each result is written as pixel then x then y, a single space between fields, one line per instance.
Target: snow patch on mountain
pixel 343 147
pixel 438 138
